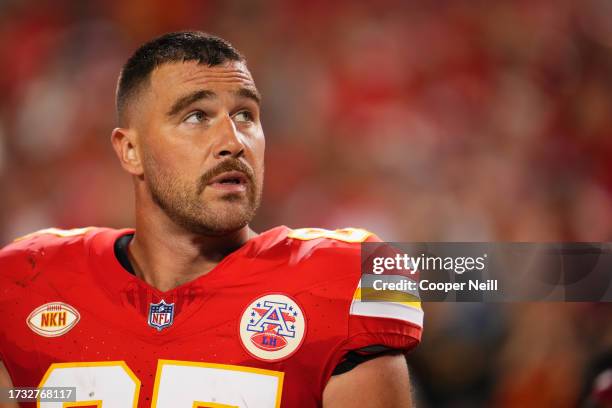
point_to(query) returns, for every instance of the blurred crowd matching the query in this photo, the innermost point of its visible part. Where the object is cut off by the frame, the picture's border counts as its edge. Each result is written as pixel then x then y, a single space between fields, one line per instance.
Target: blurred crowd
pixel 422 121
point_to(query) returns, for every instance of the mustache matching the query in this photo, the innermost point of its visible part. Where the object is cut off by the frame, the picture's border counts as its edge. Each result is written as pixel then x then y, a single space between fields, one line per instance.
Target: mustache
pixel 224 166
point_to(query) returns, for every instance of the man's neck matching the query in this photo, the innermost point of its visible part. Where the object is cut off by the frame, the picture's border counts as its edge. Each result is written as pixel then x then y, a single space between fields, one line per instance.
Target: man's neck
pixel 165 255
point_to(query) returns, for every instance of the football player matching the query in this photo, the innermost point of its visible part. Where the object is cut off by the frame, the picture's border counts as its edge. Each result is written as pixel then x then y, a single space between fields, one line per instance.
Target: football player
pixel 192 308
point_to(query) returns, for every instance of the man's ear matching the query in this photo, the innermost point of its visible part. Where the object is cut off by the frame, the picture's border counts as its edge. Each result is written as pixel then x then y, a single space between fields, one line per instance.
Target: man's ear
pixel 125 143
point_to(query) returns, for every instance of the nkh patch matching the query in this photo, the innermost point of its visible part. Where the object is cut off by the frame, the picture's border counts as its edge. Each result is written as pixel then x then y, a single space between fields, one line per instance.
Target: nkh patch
pixel 272 327
pixel 53 319
pixel 161 315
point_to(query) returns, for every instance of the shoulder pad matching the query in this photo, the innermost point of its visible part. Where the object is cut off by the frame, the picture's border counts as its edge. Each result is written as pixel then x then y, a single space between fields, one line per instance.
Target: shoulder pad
pixel 56 232
pixel 28 252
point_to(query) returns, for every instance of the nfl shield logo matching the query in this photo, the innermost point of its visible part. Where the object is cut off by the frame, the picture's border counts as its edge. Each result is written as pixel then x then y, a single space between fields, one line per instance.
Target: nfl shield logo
pixel 161 315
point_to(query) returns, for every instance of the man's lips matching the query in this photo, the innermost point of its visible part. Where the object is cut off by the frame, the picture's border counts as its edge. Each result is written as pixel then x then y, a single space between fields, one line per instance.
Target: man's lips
pixel 231 181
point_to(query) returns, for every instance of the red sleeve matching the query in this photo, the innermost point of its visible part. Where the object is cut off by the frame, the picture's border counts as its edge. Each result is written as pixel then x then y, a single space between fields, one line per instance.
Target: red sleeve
pixel 371 325
pixel 394 324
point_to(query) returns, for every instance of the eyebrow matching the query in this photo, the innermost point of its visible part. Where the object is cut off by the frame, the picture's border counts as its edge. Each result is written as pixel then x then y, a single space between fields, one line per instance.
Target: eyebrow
pixel 186 100
pixel 195 96
pixel 249 93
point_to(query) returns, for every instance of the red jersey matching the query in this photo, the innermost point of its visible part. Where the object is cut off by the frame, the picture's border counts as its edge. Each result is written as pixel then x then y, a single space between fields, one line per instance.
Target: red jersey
pixel 265 328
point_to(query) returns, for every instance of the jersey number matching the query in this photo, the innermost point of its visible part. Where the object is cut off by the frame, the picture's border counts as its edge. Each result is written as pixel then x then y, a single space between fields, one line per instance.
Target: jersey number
pixel 178 384
pixel 345 234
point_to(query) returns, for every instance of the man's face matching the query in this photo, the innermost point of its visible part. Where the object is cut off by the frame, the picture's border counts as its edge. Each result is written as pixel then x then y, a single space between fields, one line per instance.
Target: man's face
pixel 202 144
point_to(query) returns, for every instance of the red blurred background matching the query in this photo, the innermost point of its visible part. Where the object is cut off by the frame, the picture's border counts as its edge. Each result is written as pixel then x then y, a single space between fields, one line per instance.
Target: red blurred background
pixel 422 121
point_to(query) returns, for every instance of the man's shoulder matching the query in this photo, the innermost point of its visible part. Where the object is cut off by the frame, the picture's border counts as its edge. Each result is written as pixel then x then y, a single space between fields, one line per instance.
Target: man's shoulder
pixel 36 250
pixel 310 241
pixel 50 238
pixel 315 256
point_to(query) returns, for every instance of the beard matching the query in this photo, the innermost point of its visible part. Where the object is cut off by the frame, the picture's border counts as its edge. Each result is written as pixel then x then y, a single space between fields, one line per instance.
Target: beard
pixel 183 203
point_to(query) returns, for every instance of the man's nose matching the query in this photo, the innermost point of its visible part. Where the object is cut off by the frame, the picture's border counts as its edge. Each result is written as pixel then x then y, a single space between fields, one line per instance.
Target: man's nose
pixel 229 140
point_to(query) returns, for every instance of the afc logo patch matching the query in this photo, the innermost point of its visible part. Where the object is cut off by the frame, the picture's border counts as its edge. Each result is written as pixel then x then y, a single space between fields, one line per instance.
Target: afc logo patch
pixel 161 315
pixel 272 327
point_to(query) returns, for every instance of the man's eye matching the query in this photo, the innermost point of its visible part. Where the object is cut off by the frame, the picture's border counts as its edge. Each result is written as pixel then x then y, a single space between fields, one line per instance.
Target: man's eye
pixel 244 116
pixel 195 117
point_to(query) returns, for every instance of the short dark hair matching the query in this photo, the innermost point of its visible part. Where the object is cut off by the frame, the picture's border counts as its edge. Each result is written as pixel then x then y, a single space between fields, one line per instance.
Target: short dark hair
pixel 172 47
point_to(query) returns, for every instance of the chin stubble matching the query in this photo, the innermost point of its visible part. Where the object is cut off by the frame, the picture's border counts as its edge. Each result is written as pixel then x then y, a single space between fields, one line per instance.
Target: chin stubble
pixel 191 213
